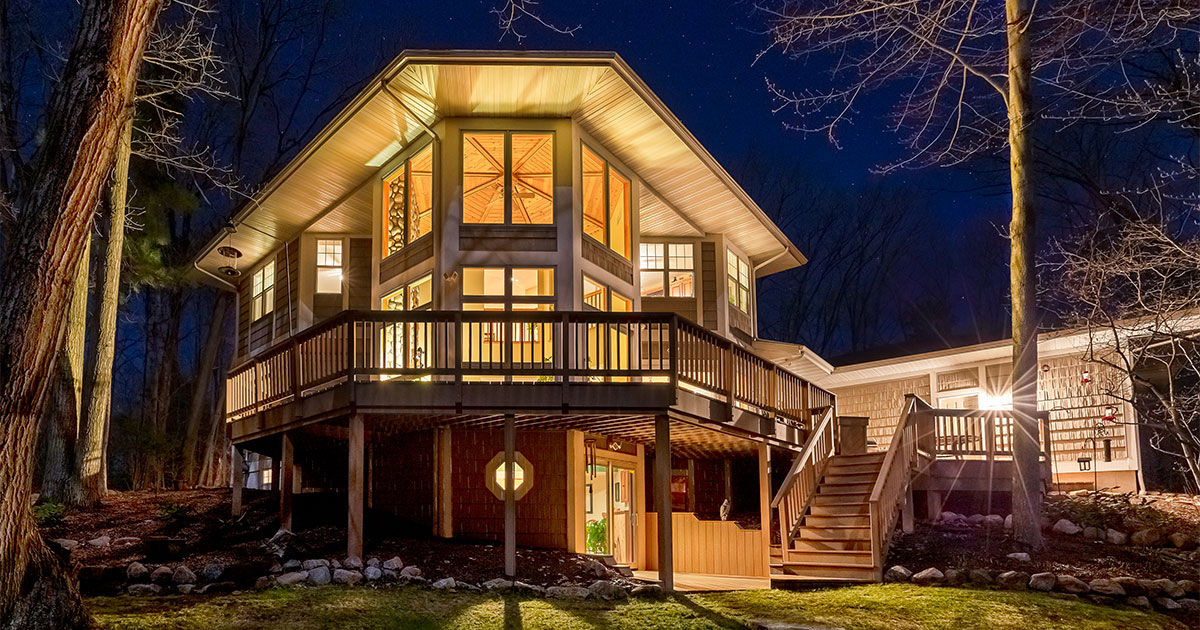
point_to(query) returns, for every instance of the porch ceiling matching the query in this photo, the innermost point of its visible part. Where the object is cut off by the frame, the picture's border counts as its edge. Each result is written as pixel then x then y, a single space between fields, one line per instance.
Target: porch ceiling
pixel 328 185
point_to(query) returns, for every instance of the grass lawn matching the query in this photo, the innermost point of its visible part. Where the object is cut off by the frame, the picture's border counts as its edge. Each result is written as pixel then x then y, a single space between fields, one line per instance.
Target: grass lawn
pixel 889 607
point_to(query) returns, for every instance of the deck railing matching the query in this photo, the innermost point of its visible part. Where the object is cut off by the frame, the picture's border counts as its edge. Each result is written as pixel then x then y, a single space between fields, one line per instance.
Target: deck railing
pixel 521 347
pixel 804 478
pixel 912 446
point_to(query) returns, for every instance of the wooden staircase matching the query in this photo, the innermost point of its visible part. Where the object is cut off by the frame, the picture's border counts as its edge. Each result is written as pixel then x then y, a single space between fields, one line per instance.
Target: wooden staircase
pixel 833 541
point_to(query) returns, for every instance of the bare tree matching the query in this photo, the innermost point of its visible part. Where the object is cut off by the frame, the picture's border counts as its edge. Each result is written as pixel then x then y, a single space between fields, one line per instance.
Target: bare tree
pixel 49 199
pixel 1132 282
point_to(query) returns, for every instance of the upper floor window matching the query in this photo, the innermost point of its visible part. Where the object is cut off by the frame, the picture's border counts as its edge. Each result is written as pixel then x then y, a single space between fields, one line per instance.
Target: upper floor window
pixel 508 288
pixel 262 300
pixel 408 202
pixel 413 296
pixel 602 298
pixel 495 163
pixel 606 204
pixel 329 266
pixel 667 270
pixel 739 282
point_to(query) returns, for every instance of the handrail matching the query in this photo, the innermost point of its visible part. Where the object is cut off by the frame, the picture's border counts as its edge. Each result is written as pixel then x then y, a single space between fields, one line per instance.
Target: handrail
pixel 909 444
pixel 539 346
pixel 804 478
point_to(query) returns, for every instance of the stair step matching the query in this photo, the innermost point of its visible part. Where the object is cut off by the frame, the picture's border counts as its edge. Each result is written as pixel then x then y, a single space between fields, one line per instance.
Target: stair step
pixel 864 488
pixel 848 509
pixel 852 468
pixel 810 544
pixel 841 498
pixel 835 533
pixel 831 556
pixel 862 458
pixel 839 479
pixel 818 571
pixel 858 520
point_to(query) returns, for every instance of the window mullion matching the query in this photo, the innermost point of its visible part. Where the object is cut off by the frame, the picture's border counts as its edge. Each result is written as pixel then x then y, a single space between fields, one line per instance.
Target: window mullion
pixel 508 179
pixel 607 212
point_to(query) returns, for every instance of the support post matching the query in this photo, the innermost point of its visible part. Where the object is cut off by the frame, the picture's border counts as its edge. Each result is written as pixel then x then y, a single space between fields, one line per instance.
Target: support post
pixel 662 497
pixel 906 512
pixel 355 482
pixel 445 486
pixel 287 480
pixel 237 481
pixel 764 503
pixel 510 496
pixel 933 504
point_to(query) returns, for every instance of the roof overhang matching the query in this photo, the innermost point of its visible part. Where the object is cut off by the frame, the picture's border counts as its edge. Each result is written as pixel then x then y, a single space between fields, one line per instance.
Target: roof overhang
pixel 327 185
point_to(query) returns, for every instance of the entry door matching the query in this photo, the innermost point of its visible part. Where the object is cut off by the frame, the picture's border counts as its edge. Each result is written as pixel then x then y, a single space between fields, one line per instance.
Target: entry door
pixel 622 533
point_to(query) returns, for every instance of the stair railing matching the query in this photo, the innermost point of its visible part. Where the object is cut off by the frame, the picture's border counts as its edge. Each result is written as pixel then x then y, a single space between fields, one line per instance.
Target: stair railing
pixel 912 446
pixel 804 478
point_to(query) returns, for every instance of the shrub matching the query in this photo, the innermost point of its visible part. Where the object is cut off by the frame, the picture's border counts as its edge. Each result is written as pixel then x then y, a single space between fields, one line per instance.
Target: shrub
pixel 49 513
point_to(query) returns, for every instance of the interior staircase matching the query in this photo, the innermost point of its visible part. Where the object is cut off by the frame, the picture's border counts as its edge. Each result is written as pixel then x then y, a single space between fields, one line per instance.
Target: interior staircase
pixel 833 540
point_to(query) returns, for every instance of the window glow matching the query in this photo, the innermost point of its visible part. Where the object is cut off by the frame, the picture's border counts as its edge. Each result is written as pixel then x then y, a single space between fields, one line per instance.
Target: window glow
pixel 329 266
pixel 738 272
pixel 262 291
pixel 606 204
pixel 677 278
pixel 408 202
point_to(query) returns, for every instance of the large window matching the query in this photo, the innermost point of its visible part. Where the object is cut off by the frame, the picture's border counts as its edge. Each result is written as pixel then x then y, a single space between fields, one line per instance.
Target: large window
pixel 739 281
pixel 600 297
pixel 495 163
pixel 606 204
pixel 408 202
pixel 408 345
pixel 508 288
pixel 329 265
pixel 416 295
pixel 262 300
pixel 667 270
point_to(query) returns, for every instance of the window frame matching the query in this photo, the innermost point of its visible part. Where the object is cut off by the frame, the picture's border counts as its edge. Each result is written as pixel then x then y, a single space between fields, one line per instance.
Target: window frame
pixel 745 290
pixel 508 174
pixel 341 242
pixel 404 289
pixel 405 165
pixel 608 293
pixel 667 269
pixel 609 170
pixel 507 299
pixel 268 306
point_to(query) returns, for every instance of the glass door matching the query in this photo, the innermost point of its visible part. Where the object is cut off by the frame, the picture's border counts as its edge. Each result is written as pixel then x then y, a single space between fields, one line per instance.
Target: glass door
pixel 621 532
pixel 596 509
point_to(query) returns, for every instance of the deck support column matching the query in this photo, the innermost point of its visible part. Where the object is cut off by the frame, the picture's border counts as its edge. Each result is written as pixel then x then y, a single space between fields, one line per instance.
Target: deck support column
pixel 355 483
pixel 287 480
pixel 906 512
pixel 933 504
pixel 510 496
pixel 662 497
pixel 237 477
pixel 764 502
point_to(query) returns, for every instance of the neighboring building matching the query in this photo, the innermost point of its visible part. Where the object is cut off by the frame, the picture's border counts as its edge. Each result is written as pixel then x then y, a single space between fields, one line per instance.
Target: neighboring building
pixel 1071 391
pixel 515 261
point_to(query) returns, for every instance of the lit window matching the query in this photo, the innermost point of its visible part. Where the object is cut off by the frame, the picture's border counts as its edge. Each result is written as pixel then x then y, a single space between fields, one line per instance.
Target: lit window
pixel 488 158
pixel 519 288
pixel 621 304
pixel 262 293
pixel 595 295
pixel 496 472
pixel 518 475
pixel 739 282
pixel 329 266
pixel 408 202
pixel 606 204
pixel 483 281
pixel 670 274
pixel 410 297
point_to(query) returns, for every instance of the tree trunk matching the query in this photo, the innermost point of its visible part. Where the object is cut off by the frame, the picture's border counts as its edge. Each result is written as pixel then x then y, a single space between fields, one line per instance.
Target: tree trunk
pixel 91 451
pixel 54 213
pixel 200 407
pixel 1026 487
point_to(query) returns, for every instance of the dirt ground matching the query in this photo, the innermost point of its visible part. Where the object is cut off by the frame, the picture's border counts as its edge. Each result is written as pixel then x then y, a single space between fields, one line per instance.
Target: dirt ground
pixel 201 518
pixel 935 545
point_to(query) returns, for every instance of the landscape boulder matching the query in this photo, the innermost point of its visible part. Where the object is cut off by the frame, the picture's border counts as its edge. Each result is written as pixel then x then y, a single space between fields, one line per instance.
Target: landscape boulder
pixel 1013 579
pixel 1064 526
pixel 393 564
pixel 1018 556
pixel 1190 606
pixel 928 577
pixel 410 571
pixel 569 592
pixel 263 583
pixel 1132 586
pixel 352 562
pixel 1149 537
pixel 1115 536
pixel 372 574
pixel 897 574
pixel 217 587
pixel 1169 588
pixel 1071 584
pixel 185 589
pixel 1182 541
pixel 291 565
pixel 606 590
pixel 1093 533
pixel 161 575
pixel 1191 587
pixel 975 519
pixel 66 543
pixel 100 542
pixel 524 588
pixel 183 575
pixel 1107 588
pixel 596 568
pixel 652 591
pixel 319 575
pixel 1166 603
pixel 144 589
pixel 1008 522
pixel 1042 581
pixel 309 565
pixel 497 584
pixel 137 572
pixel 979 577
pixel 346 576
pixel 955 577
pixel 212 571
pixel 292 578
pixel 1138 601
pixel 127 541
pixel 994 521
pixel 444 584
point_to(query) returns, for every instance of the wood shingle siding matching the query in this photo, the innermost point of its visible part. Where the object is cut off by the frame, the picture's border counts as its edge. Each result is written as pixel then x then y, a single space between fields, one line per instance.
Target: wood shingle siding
pixel 541 513
pixel 358 273
pixel 708 281
pixel 508 238
pixel 406 258
pixel 606 259
pixel 402 476
pixel 287 288
pixel 243 325
pixel 326 305
pixel 1076 407
pixel 881 403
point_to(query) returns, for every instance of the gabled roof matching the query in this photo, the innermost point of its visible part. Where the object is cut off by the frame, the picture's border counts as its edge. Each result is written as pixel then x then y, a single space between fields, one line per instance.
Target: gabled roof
pixel 327 185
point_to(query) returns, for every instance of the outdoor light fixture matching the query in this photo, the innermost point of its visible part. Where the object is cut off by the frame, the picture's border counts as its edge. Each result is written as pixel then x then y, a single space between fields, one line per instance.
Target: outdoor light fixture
pixel 229 251
pixel 1045 367
pixel 229 272
pixel 232 253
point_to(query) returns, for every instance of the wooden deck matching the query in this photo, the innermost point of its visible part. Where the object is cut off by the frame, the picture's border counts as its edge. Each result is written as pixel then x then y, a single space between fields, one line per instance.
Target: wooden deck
pixel 700 582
